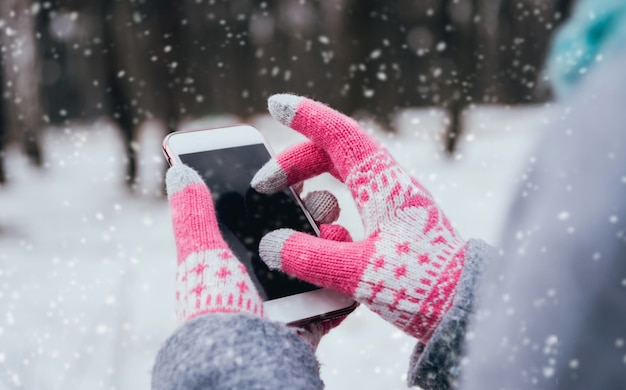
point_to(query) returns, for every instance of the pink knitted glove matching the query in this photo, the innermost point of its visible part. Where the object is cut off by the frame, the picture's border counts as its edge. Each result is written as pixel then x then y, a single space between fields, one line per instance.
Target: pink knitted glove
pixel 209 278
pixel 408 266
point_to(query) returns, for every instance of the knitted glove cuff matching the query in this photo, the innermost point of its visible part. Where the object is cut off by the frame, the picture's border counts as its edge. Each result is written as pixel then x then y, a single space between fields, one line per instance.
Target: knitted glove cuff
pixel 436 365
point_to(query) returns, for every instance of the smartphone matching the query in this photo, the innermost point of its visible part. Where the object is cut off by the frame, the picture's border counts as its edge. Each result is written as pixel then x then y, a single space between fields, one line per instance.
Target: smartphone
pixel 227 158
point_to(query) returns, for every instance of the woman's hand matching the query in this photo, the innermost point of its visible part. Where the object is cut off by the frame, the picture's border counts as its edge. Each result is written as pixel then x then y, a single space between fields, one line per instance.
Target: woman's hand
pixel 407 267
pixel 209 278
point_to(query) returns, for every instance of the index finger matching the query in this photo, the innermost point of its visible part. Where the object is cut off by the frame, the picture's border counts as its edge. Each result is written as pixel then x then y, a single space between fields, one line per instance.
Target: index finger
pixel 338 135
pixel 291 167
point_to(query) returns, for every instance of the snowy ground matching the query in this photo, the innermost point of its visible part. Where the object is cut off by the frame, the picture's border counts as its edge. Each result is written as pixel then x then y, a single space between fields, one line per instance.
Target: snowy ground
pixel 87 270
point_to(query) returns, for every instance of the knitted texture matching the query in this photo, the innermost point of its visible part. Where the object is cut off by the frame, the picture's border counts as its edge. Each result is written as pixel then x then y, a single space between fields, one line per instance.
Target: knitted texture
pixel 409 264
pixel 437 365
pixel 209 277
pixel 323 206
pixel 235 351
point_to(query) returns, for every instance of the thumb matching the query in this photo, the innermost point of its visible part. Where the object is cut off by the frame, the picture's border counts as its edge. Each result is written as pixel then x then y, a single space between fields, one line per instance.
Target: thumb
pixel 326 263
pixel 193 215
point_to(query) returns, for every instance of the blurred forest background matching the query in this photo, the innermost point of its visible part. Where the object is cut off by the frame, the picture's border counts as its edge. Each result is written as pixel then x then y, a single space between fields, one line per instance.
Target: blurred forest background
pixel 90 87
pixel 65 61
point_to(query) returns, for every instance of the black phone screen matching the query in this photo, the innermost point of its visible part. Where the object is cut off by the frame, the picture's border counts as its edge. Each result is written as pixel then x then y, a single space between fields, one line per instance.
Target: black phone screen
pixel 245 215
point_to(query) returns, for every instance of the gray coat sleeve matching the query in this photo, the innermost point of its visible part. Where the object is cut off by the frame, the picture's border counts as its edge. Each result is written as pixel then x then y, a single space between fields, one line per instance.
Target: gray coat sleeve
pixel 435 366
pixel 235 351
pixel 552 315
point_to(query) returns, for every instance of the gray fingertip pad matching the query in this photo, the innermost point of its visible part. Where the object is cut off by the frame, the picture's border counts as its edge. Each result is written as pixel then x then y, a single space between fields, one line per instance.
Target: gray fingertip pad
pixel 283 107
pixel 270 178
pixel 180 176
pixel 323 206
pixel 271 247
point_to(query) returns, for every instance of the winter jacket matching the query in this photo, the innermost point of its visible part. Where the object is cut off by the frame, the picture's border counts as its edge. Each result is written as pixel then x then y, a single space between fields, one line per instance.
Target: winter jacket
pixel 238 351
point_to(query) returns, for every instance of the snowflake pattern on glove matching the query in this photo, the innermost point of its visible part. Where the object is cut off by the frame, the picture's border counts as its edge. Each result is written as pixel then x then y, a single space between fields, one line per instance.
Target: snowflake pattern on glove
pixel 407 267
pixel 417 254
pixel 214 281
pixel 209 278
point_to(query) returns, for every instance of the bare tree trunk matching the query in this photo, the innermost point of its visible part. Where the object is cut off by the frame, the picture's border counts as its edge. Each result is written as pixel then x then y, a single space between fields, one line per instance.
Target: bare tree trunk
pixel 524 32
pixel 3 129
pixel 398 57
pixel 336 52
pixel 375 75
pixel 220 56
pixel 143 58
pixel 268 46
pixel 20 61
pixel 466 58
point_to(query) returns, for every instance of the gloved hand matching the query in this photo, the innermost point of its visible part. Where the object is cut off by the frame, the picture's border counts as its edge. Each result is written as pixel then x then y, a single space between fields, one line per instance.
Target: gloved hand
pixel 407 267
pixel 209 278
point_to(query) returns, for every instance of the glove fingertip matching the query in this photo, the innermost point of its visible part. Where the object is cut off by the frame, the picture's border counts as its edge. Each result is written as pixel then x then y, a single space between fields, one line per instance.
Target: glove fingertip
pixel 270 178
pixel 271 247
pixel 283 107
pixel 180 176
pixel 323 206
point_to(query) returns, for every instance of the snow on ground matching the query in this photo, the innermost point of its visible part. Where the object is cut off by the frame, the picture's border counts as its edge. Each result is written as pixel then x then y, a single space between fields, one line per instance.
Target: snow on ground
pixel 87 269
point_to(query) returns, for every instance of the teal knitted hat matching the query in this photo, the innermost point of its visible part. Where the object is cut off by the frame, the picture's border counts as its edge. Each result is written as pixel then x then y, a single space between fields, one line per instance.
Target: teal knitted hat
pixel 595 32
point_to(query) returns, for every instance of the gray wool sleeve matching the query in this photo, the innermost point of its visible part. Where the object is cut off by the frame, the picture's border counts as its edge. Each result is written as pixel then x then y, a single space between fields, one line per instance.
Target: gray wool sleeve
pixel 553 314
pixel 235 351
pixel 435 366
